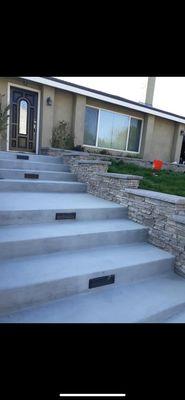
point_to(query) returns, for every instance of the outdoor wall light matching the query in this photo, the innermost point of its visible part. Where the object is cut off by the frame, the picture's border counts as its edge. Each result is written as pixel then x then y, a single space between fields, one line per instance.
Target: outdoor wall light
pixel 49 101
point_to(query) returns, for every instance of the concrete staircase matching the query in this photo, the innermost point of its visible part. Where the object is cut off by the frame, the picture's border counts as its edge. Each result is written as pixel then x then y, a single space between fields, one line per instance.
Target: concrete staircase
pixel 95 267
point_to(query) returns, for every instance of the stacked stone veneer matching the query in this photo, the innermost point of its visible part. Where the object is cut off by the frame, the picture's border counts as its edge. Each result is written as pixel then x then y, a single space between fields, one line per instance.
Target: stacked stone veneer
pixel 163 214
pixel 112 186
pixel 129 160
pixel 99 182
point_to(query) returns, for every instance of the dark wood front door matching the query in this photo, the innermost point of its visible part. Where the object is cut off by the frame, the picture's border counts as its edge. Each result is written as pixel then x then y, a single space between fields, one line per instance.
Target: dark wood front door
pixel 23 119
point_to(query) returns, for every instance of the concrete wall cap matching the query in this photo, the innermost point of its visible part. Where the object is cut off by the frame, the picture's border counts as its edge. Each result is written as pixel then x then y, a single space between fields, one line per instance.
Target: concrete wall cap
pixel 169 198
pixel 120 176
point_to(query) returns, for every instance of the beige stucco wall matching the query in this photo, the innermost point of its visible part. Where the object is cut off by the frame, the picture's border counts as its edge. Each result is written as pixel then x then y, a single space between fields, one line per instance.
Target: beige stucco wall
pixel 162 139
pixel 78 119
pixel 114 107
pixel 63 106
pixel 47 116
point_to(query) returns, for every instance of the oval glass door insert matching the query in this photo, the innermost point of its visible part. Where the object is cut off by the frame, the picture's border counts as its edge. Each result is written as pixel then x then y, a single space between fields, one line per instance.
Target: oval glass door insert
pixel 23 111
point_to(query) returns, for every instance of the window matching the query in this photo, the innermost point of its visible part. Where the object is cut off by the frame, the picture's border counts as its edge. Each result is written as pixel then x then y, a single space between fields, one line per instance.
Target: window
pixel 91 121
pixel 111 130
pixel 134 134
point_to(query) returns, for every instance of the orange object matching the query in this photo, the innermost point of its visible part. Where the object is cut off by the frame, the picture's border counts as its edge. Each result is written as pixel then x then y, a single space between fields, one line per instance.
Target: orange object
pixel 157 164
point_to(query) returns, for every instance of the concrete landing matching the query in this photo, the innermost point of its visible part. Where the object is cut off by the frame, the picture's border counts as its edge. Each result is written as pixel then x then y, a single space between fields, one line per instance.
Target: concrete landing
pixel 154 300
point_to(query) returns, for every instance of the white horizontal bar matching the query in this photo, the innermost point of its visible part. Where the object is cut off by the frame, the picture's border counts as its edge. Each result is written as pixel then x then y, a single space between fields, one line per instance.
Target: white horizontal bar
pixel 92 394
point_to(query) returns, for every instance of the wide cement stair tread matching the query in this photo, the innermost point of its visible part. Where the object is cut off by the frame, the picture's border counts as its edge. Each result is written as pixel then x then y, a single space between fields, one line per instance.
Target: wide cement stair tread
pixel 35 185
pixel 148 301
pixel 40 175
pixel 30 270
pixel 38 165
pixel 178 318
pixel 16 233
pixel 12 155
pixel 35 201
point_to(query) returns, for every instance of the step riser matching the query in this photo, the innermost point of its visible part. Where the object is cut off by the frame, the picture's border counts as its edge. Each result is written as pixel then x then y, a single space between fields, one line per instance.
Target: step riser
pixel 36 166
pixel 20 298
pixel 32 157
pixel 164 315
pixel 36 186
pixel 14 249
pixel 55 176
pixel 46 216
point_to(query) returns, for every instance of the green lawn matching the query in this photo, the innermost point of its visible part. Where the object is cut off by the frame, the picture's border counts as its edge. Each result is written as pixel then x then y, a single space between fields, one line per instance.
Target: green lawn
pixel 162 181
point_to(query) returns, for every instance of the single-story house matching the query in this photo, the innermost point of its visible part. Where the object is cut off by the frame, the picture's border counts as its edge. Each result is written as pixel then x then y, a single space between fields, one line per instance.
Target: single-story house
pixel 98 120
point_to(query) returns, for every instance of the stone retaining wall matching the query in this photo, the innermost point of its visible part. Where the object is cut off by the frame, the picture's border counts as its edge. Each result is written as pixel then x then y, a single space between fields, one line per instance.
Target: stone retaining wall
pixel 112 186
pixel 164 214
pixel 104 157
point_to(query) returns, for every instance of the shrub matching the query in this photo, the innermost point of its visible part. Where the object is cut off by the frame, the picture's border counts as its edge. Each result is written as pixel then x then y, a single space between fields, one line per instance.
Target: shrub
pixel 78 148
pixel 3 119
pixel 62 136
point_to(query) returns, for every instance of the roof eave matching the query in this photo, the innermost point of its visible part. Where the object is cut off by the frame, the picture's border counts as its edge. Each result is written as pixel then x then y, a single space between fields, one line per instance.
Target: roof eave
pixel 104 97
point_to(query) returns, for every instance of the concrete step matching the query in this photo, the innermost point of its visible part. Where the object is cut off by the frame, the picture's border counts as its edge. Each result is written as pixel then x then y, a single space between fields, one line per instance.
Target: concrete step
pixel 39 279
pixel 19 217
pixel 178 316
pixel 42 175
pixel 32 185
pixel 12 155
pixel 30 207
pixel 21 240
pixel 33 165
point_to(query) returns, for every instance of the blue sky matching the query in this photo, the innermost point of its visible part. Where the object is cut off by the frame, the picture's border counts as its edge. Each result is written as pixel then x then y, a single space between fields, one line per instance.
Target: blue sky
pixel 169 92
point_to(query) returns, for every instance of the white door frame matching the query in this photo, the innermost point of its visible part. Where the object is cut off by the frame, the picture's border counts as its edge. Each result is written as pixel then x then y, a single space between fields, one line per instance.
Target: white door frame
pixel 38 113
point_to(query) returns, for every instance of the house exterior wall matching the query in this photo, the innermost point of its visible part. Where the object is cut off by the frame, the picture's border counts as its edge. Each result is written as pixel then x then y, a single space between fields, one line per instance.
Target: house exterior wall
pixel 160 137
pixel 63 107
pixel 113 107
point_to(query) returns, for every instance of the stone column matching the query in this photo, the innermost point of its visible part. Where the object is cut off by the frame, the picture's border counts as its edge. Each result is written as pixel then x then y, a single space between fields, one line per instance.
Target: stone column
pixel 78 119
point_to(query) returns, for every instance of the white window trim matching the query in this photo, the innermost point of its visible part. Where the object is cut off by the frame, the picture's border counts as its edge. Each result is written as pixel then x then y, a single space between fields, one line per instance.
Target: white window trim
pixel 128 132
pixel 38 114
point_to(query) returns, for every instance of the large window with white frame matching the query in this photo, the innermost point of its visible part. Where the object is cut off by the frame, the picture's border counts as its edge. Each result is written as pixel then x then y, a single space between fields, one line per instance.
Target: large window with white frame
pixel 111 130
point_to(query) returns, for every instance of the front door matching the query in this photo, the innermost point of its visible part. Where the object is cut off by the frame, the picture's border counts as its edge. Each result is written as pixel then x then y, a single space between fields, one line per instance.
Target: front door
pixel 23 119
